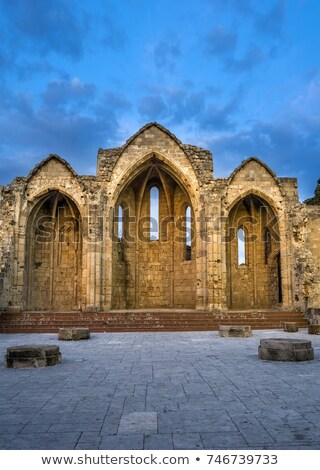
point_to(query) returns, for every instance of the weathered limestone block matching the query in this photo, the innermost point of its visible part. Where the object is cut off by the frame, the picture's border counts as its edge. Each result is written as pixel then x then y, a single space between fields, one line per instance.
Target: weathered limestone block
pixel 240 331
pixel 30 356
pixel 74 334
pixel 314 330
pixel 282 349
pixel 290 327
pixel 313 315
pixel 315 319
pixel 313 312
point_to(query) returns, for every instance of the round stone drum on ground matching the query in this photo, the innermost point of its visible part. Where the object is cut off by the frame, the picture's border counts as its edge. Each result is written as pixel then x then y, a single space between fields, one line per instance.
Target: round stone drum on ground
pixel 29 356
pixel 283 349
pixel 74 334
pixel 235 331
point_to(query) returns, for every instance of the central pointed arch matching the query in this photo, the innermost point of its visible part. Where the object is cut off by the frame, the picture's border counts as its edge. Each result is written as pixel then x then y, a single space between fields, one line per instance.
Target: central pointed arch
pixel 154 271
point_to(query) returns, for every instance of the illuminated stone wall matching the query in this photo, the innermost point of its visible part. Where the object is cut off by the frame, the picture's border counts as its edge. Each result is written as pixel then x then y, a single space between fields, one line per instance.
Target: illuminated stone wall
pixel 88 266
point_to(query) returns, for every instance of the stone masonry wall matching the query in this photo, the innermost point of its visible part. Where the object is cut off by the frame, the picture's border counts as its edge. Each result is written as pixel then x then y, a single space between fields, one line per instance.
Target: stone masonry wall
pixel 106 273
pixel 155 277
pixel 159 137
pixel 312 269
pixel 7 221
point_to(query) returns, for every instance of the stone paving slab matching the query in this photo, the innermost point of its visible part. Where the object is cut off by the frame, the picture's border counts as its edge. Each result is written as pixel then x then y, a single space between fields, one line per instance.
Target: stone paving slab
pixel 184 390
pixel 138 422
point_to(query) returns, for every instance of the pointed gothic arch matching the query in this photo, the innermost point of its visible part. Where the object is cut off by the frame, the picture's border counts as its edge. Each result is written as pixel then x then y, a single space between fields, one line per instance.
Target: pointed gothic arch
pixel 154 273
pixel 53 255
pixel 253 283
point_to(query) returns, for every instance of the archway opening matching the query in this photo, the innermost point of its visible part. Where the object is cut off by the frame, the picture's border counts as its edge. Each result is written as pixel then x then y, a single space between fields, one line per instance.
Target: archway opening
pixel 253 255
pixel 54 248
pixel 158 269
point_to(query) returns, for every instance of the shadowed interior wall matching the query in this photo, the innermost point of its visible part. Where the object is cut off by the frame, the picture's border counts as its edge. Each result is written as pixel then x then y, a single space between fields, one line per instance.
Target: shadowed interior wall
pixel 54 255
pixel 153 273
pixel 256 281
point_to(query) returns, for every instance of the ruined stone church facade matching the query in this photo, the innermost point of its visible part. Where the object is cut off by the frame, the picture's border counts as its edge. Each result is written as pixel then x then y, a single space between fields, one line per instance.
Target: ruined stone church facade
pixel 154 229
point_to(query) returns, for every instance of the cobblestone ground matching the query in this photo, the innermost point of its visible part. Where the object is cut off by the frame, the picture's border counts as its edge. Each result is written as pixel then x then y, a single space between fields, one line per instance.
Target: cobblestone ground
pixel 190 390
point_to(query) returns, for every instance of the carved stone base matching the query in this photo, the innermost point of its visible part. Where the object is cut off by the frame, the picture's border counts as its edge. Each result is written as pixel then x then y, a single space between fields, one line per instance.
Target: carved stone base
pixel 235 331
pixel 30 356
pixel 314 330
pixel 290 327
pixel 282 349
pixel 74 334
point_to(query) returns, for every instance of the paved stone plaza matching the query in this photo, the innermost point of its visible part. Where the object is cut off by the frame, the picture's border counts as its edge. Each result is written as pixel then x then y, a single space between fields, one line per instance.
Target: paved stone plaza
pixel 191 390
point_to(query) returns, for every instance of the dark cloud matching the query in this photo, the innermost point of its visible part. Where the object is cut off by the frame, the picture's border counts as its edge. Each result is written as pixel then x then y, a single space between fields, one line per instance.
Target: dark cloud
pixel 5 58
pixel 271 22
pixel 27 69
pixel 42 27
pixel 75 137
pixel 216 118
pixel 311 73
pixel 243 8
pixel 220 41
pixel 62 92
pixel 68 119
pixel 166 53
pixel 286 149
pixel 152 107
pixel 183 105
pixel 114 36
pixel 263 22
pixel 194 104
pixel 178 105
pixel 267 18
pixel 253 57
pixel 115 101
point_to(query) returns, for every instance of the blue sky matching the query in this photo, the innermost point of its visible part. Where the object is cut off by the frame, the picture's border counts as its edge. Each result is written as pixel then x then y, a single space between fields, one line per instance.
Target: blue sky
pixel 239 77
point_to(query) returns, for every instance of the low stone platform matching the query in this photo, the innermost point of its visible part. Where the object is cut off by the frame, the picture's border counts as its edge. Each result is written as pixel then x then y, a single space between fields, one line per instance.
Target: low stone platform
pixel 235 331
pixel 30 356
pixel 290 327
pixel 284 349
pixel 74 334
pixel 314 329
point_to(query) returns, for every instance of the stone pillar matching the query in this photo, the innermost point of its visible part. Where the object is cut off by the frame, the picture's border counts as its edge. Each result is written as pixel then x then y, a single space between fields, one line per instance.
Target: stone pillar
pixel 285 232
pixel 107 254
pixel 210 242
pixel 219 244
pixel 92 245
pixel 18 261
pixel 222 239
pixel 201 257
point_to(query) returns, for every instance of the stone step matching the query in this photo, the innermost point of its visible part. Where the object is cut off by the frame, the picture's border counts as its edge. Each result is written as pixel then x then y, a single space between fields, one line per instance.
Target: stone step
pixel 148 320
pixel 154 322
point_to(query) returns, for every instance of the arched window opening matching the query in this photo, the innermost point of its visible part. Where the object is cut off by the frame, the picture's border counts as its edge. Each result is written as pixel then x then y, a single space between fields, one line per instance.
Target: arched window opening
pixel 120 234
pixel 267 245
pixel 241 247
pixel 120 222
pixel 188 234
pixel 154 213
